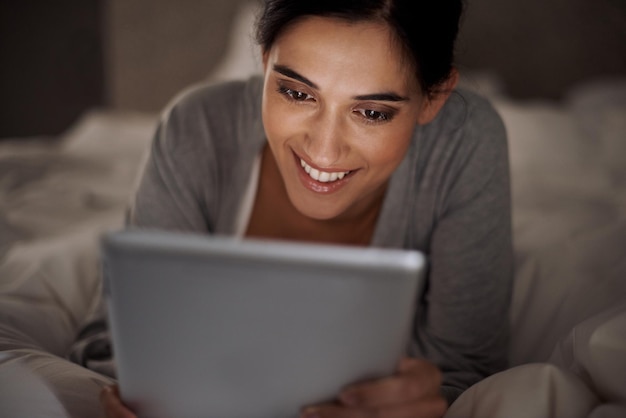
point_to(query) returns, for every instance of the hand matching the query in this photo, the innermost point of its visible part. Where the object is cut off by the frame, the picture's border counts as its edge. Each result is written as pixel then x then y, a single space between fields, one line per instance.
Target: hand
pixel 112 403
pixel 412 392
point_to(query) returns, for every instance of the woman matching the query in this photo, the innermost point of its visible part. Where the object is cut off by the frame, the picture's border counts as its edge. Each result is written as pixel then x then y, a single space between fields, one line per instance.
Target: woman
pixel 355 134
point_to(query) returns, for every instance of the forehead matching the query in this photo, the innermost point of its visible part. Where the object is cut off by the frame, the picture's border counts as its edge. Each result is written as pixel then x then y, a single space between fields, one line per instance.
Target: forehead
pixel 325 48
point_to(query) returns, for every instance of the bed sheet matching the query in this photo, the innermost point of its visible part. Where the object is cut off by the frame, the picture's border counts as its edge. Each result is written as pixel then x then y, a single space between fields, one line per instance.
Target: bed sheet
pixel 57 195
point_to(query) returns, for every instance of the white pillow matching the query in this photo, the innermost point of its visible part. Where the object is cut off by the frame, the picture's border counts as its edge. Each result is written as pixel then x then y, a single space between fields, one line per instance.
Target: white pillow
pixel 48 288
pixel 38 384
pixel 600 109
pixel 242 57
pixel 559 287
pixel 595 350
pixel 537 390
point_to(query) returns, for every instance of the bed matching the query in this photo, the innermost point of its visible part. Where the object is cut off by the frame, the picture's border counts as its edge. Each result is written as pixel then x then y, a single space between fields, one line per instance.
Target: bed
pixel 568 315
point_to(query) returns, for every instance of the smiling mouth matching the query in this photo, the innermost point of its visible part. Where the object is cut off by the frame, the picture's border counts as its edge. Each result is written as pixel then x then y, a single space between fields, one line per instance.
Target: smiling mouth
pixel 323 176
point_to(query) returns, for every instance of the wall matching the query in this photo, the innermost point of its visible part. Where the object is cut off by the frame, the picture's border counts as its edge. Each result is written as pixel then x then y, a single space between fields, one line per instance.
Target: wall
pixel 52 64
pixel 543 47
pixel 64 57
pixel 539 48
pixel 154 48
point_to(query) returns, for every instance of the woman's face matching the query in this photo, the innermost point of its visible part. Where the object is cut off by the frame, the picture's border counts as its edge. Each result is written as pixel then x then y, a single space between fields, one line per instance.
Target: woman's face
pixel 339 109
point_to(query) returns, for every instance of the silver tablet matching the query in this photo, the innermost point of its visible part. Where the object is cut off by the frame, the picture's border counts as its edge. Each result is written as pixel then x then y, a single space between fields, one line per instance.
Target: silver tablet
pixel 209 326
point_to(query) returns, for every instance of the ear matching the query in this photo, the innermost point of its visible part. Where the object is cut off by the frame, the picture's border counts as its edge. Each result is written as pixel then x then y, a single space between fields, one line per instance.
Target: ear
pixel 434 101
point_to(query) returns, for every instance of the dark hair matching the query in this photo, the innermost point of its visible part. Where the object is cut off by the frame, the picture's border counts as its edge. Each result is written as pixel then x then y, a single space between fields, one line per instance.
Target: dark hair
pixel 425 29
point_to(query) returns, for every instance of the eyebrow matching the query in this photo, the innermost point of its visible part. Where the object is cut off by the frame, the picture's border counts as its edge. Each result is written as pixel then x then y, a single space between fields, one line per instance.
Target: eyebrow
pixel 288 72
pixel 385 96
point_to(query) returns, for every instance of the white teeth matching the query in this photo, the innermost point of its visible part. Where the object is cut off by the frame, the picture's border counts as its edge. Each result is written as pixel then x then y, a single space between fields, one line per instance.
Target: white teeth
pixel 322 176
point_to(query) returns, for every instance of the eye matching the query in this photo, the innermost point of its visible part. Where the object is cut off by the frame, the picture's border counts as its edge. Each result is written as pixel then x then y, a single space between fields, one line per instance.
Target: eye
pixel 375 115
pixel 294 95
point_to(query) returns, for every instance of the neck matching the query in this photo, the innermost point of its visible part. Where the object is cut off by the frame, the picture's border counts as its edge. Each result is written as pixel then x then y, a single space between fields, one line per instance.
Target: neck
pixel 274 216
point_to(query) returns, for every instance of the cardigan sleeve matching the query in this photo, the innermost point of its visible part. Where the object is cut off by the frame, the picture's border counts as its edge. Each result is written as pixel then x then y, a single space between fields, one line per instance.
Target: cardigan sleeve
pixel 179 173
pixel 164 198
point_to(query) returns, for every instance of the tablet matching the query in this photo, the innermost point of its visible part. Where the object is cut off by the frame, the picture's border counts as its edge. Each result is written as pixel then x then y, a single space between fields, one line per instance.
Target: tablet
pixel 213 326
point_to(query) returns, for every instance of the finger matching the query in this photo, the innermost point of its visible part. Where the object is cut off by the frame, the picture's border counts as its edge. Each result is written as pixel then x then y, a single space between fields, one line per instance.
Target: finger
pixel 331 410
pixel 112 403
pixel 407 363
pixel 433 407
pixel 417 379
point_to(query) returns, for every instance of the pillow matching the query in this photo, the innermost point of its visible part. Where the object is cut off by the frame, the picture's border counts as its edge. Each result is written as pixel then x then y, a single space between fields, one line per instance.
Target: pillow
pixel 538 390
pixel 595 350
pixel 38 384
pixel 559 287
pixel 600 109
pixel 48 287
pixel 242 57
pixel 23 394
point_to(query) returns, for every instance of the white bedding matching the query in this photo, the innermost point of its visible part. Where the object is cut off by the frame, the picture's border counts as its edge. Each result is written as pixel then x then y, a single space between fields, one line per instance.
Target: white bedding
pixel 56 196
pixel 568 316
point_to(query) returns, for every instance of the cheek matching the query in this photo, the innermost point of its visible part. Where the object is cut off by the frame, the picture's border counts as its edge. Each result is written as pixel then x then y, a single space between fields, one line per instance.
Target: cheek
pixel 269 119
pixel 388 150
pixel 276 121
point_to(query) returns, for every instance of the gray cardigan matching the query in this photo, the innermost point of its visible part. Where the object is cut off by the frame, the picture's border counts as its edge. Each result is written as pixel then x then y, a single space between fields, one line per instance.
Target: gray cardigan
pixel 449 198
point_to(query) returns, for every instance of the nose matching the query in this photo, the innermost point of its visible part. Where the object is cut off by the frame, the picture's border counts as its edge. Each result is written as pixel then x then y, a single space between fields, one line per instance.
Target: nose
pixel 325 143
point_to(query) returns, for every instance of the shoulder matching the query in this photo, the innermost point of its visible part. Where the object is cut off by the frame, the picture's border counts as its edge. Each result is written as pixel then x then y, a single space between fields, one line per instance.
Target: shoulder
pixel 460 152
pixel 216 99
pixel 473 117
pixel 212 115
pixel 482 115
pixel 467 129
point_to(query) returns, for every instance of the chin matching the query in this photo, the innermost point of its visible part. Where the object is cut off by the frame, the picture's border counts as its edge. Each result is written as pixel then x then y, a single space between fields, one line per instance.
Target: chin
pixel 317 210
pixel 320 214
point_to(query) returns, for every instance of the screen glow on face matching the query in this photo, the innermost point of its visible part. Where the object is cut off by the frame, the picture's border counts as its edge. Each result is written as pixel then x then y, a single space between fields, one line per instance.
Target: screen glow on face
pixel 339 111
